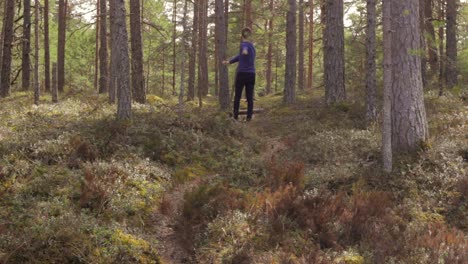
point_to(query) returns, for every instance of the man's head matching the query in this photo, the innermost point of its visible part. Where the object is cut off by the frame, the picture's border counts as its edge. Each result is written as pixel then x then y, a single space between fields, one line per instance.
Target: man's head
pixel 246 33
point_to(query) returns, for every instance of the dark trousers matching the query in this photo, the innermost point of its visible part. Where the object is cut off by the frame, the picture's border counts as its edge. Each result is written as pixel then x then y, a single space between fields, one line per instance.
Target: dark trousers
pixel 247 80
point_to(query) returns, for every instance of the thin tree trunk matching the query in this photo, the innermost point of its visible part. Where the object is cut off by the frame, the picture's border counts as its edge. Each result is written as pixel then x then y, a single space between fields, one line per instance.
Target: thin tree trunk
pixel 441 49
pixel 54 83
pixel 96 50
pixel 103 66
pixel 182 62
pixel 269 57
pixel 163 88
pixel 451 72
pixel 311 46
pixel 430 39
pixel 26 52
pixel 291 54
pixel 422 51
pixel 193 54
pixel 409 124
pixel 371 82
pixel 221 47
pixel 203 58
pixel 174 51
pixel 333 39
pixel 138 84
pixel 7 43
pixel 248 14
pixel 46 46
pixel 387 158
pixel 216 72
pixel 113 59
pixel 120 47
pixel 36 53
pixel 61 45
pixel 300 77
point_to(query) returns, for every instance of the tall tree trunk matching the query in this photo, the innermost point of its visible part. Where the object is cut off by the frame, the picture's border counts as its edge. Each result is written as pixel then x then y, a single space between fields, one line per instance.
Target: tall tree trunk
pixel 174 51
pixel 441 14
pixel 36 52
pixel 163 72
pixel 46 46
pixel 409 124
pixel 269 57
pixel 422 51
pixel 26 60
pixel 182 62
pixel 203 58
pixel 54 83
pixel 138 84
pixel 451 72
pixel 290 71
pixel 96 49
pixel 371 82
pixel 310 72
pixel 113 67
pixel 221 47
pixel 301 76
pixel 248 14
pixel 8 20
pixel 430 39
pixel 387 158
pixel 193 54
pixel 103 66
pixel 333 39
pixel 122 62
pixel 61 45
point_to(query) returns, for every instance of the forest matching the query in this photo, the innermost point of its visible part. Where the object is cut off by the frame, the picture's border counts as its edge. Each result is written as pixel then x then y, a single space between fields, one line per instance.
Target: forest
pixel 122 139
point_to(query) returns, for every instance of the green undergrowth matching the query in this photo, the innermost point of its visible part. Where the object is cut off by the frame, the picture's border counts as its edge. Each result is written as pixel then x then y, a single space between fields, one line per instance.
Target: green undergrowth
pixel 325 199
pixel 78 187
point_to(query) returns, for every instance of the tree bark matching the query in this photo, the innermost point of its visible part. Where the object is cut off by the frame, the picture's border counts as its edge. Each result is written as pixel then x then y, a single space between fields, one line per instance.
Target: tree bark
pixel 61 45
pixel 333 39
pixel 138 85
pixel 290 71
pixel 430 39
pixel 36 53
pixel 46 46
pixel 121 60
pixel 371 82
pixel 113 67
pixel 54 83
pixel 409 124
pixel 193 54
pixel 451 72
pixel 310 72
pixel 422 51
pixel 182 62
pixel 8 20
pixel 269 57
pixel 174 51
pixel 248 14
pixel 103 66
pixel 26 52
pixel 300 77
pixel 387 158
pixel 221 47
pixel 203 58
pixel 441 14
pixel 96 49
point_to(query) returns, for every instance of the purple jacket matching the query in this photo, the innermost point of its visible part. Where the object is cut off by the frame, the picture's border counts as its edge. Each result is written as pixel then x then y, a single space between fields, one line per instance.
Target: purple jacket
pixel 246 57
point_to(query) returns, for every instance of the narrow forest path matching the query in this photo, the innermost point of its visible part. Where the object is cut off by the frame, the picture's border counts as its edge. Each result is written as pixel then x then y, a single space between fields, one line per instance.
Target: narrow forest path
pixel 171 245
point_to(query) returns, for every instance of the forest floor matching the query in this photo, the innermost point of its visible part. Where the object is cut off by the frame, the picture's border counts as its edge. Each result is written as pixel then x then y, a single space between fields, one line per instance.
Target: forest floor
pixel 297 184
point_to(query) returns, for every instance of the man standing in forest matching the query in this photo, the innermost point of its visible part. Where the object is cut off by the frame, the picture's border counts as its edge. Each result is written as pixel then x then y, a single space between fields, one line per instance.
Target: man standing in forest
pixel 245 73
